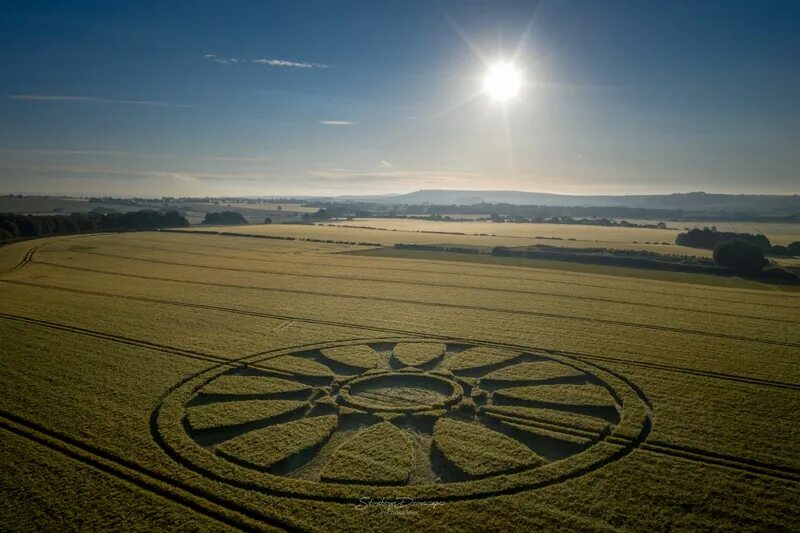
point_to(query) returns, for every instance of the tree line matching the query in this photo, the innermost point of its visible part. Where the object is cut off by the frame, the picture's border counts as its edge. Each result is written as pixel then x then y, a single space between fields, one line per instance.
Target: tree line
pixel 16 226
pixel 710 238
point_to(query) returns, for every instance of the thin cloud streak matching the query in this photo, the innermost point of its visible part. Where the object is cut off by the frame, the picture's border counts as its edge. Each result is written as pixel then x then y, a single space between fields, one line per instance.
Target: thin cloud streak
pixel 130 173
pixel 122 153
pixel 285 63
pixel 91 99
pixel 337 122
pixel 262 61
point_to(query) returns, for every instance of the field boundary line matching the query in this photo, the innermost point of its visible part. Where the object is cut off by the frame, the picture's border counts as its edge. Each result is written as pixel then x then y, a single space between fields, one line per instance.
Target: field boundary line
pixel 518 312
pixel 182 493
pixel 400 282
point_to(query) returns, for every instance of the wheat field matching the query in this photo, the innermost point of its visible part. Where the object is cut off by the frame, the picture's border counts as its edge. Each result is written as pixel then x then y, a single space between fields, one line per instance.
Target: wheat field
pixel 210 382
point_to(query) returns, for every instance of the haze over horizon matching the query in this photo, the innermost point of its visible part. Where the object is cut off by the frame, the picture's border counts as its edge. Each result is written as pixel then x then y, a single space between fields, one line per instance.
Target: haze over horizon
pixel 359 98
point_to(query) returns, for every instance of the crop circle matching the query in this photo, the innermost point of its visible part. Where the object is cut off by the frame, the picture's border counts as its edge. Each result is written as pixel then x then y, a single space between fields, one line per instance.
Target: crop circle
pixel 439 419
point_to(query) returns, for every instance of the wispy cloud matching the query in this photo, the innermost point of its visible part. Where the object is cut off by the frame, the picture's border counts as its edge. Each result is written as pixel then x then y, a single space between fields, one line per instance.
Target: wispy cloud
pixel 386 164
pixel 224 60
pixel 91 99
pixel 262 61
pixel 285 63
pixel 140 155
pixel 128 173
pixel 337 122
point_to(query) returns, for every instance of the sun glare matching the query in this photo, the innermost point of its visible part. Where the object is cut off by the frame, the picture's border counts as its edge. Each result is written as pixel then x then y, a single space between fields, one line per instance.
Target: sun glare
pixel 502 82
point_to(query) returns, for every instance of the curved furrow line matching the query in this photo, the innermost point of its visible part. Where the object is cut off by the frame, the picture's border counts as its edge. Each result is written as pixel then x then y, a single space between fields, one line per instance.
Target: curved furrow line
pixel 22 262
pixel 151 481
pixel 676 369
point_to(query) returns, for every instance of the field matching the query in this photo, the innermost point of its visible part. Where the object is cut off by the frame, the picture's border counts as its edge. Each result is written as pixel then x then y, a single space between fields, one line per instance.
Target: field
pixel 389 231
pixel 172 380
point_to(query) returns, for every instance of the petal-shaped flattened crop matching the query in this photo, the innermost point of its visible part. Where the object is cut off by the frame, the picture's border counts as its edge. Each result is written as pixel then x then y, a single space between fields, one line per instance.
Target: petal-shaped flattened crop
pixel 478 451
pixel 233 385
pixel 536 371
pixel 479 357
pixel 357 355
pixel 268 446
pixel 224 414
pixel 582 395
pixel 297 366
pixel 418 354
pixel 380 454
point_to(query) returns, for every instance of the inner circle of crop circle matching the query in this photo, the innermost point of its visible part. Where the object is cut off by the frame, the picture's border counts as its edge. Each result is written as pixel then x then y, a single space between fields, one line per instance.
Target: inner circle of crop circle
pixel 434 392
pixel 422 418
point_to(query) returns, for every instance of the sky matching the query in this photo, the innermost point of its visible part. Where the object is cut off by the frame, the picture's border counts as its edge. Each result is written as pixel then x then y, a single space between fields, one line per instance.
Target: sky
pixel 252 98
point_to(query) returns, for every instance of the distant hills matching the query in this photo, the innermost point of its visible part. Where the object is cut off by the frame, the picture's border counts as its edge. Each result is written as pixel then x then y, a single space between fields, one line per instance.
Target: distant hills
pixel 687 201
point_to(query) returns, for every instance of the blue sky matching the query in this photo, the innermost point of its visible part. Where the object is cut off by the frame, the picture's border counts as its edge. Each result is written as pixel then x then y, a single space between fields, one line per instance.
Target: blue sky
pixel 266 98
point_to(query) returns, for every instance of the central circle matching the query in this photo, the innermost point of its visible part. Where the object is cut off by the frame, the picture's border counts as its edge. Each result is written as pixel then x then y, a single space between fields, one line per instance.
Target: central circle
pixel 401 391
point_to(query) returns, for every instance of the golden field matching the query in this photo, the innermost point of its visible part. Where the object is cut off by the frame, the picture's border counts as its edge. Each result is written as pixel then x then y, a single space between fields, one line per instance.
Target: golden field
pixel 213 382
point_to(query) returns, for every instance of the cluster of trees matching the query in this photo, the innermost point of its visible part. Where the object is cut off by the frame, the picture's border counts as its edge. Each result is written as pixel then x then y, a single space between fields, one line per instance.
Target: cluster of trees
pixel 791 249
pixel 745 258
pixel 14 226
pixel 320 214
pixel 117 201
pixel 740 256
pixel 225 218
pixel 710 239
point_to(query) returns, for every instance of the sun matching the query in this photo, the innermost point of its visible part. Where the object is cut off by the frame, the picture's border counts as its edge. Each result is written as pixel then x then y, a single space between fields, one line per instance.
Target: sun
pixel 502 82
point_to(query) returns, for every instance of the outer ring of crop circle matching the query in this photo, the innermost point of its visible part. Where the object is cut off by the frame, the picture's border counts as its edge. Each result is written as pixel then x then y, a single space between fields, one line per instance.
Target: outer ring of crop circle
pixel 167 424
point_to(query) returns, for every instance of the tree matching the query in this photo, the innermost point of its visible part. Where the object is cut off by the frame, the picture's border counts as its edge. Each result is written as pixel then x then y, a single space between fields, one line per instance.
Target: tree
pixel 267 220
pixel 227 218
pixel 322 214
pixel 740 256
